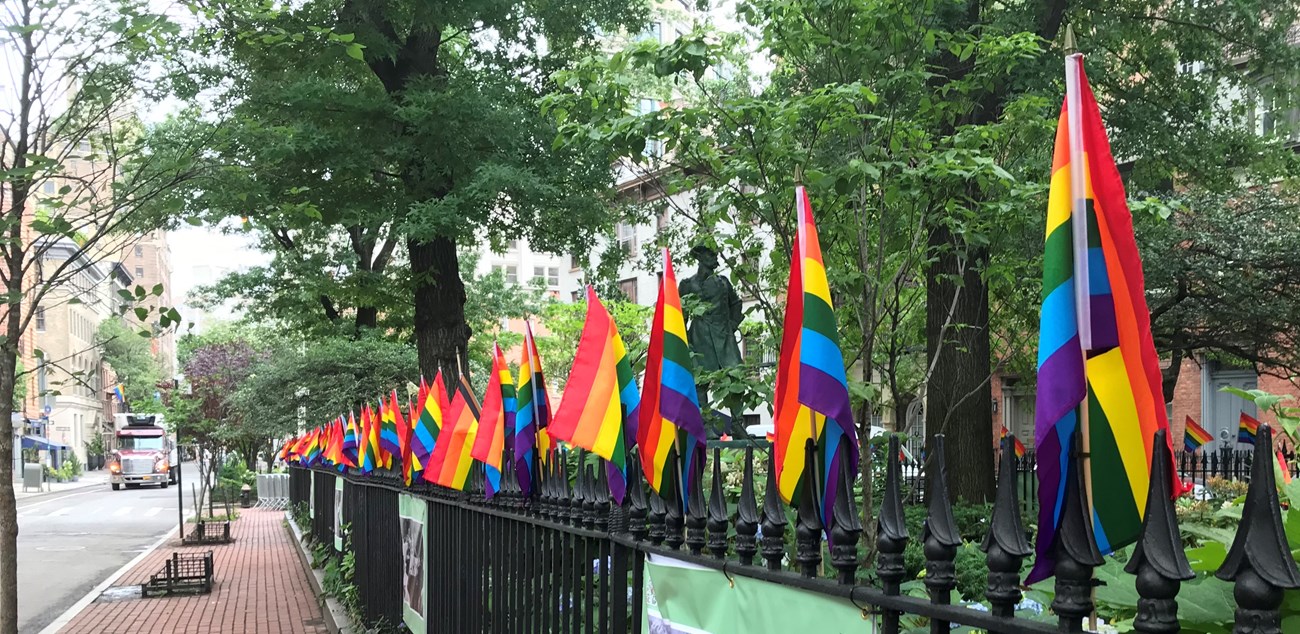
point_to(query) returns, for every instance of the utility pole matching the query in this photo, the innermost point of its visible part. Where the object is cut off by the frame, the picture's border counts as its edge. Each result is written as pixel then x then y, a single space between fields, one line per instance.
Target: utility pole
pixel 180 460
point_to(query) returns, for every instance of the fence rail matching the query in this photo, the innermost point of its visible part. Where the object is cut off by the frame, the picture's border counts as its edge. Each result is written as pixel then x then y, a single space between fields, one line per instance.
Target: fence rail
pixel 567 559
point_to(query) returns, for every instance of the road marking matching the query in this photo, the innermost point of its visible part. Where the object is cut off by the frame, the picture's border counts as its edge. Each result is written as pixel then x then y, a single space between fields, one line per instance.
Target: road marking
pixel 122 511
pixel 27 506
pixel 153 511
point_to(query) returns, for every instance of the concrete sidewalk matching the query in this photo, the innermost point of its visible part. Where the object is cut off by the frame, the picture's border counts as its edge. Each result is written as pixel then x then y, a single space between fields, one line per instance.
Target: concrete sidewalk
pixel 260 587
pixel 87 479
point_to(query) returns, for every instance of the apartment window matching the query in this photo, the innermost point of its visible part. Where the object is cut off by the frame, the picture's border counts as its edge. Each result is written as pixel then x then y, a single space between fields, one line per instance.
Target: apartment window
pixel 49 188
pixel 548 275
pixel 139 272
pixel 512 245
pixel 84 146
pixel 661 219
pixel 510 271
pixel 40 319
pixel 626 234
pixel 576 296
pixel 653 147
pixel 139 251
pixel 653 32
pixel 628 286
pixel 575 262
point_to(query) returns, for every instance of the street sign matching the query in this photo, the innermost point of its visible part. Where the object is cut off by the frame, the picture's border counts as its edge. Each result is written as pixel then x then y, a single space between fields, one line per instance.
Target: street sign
pixel 48 409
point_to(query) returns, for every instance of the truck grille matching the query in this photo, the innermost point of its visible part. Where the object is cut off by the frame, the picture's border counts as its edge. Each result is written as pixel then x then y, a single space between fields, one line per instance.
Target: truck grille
pixel 132 466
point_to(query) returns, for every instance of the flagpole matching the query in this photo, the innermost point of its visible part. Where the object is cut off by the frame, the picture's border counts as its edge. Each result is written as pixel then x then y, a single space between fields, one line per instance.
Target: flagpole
pixel 1079 231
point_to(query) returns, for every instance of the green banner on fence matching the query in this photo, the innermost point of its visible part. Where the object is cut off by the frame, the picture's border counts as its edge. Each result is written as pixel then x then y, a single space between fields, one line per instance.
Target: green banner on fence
pixel 311 495
pixel 415 542
pixel 682 598
pixel 338 514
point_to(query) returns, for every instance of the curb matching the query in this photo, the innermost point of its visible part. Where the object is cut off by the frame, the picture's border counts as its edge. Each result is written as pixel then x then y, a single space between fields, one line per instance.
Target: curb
pixel 72 612
pixel 37 496
pixel 336 618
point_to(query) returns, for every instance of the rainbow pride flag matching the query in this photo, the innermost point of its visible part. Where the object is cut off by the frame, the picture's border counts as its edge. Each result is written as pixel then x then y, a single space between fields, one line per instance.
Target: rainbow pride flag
pixel 1247 429
pixel 600 406
pixel 350 441
pixel 311 453
pixel 812 394
pixel 1194 435
pixel 389 440
pixel 670 416
pixel 1283 468
pixel 370 453
pixel 1094 337
pixel 489 444
pixel 449 465
pixel 1016 444
pixel 533 413
pixel 426 428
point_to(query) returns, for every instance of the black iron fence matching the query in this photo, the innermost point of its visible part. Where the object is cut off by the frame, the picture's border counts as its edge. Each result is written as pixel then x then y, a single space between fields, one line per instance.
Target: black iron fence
pixel 567 559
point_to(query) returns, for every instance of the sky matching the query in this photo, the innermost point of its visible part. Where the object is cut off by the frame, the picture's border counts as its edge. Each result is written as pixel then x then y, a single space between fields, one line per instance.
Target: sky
pixel 202 255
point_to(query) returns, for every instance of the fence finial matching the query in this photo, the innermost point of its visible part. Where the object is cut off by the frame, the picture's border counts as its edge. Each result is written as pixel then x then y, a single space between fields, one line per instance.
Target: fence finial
pixel 717 522
pixel 747 517
pixel 1005 544
pixel 939 533
pixel 637 504
pixel 774 521
pixel 846 527
pixel 696 517
pixel 1158 559
pixel 1075 550
pixel 1259 561
pixel 673 536
pixel 808 522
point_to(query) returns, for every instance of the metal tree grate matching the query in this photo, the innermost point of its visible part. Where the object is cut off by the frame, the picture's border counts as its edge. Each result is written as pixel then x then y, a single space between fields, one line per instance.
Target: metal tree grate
pixel 209 533
pixel 181 573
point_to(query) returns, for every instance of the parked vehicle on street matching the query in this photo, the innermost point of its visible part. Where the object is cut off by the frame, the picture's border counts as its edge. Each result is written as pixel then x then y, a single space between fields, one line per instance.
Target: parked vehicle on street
pixel 145 454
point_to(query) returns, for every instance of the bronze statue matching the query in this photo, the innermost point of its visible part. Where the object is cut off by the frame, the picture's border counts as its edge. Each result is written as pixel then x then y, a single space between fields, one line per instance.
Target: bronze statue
pixel 712 333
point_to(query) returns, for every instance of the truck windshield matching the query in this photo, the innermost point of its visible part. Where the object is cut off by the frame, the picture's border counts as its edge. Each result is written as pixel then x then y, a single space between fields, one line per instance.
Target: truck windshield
pixel 140 443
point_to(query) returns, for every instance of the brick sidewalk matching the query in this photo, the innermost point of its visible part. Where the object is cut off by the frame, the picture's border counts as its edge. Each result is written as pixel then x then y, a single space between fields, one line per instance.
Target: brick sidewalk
pixel 259 588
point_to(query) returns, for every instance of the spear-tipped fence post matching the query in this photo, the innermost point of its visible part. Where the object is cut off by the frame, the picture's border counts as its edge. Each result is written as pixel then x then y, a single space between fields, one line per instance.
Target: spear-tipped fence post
pixel 1158 559
pixel 940 536
pixel 1259 561
pixel 638 507
pixel 673 520
pixel 1075 551
pixel 717 522
pixel 589 495
pixel 846 527
pixel 747 517
pixel 600 497
pixel 1005 544
pixel 658 518
pixel 774 521
pixel 696 513
pixel 808 521
pixel 891 536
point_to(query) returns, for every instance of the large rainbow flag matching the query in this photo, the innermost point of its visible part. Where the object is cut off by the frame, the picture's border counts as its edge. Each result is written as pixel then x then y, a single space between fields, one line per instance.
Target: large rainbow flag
pixel 812 393
pixel 489 444
pixel 1094 337
pixel 533 413
pixel 670 416
pixel 449 465
pixel 599 408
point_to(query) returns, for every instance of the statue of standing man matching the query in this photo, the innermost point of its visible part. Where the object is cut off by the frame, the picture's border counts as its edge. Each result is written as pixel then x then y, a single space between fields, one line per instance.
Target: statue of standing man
pixel 712 333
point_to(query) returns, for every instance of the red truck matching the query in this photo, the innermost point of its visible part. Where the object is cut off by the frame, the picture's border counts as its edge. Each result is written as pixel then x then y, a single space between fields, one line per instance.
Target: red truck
pixel 145 453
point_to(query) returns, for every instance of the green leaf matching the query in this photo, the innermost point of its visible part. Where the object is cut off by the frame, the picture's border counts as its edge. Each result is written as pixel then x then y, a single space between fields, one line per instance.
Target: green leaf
pixel 194 221
pixel 354 50
pixel 1207 558
pixel 157 290
pixel 141 313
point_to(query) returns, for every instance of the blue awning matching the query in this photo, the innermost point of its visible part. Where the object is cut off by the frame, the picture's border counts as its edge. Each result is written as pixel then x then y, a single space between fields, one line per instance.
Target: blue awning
pixel 37 442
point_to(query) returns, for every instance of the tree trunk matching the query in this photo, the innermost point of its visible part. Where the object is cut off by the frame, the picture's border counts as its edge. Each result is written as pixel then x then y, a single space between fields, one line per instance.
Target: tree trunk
pixel 1169 375
pixel 441 334
pixel 8 509
pixel 958 393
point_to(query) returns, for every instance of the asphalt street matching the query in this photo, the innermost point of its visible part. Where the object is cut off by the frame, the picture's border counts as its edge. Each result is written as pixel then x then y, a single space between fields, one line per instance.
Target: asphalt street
pixel 70 541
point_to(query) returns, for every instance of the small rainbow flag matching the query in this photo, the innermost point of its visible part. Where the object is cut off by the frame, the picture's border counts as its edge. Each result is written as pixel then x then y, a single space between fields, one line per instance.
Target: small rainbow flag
pixel 533 413
pixel 449 465
pixel 389 440
pixel 1283 467
pixel 489 444
pixel 599 410
pixel 424 435
pixel 812 394
pixel 1019 446
pixel 370 456
pixel 119 393
pixel 671 416
pixel 1247 428
pixel 1194 435
pixel 350 444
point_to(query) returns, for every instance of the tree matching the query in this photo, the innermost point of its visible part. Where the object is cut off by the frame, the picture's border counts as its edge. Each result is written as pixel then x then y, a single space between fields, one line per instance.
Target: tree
pixel 1223 277
pixel 132 360
pixel 214 372
pixel 355 127
pixel 73 170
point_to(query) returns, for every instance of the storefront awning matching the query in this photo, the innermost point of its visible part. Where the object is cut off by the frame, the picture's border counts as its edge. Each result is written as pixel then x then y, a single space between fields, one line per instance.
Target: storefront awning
pixel 38 442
